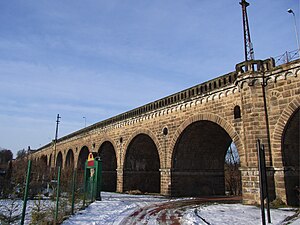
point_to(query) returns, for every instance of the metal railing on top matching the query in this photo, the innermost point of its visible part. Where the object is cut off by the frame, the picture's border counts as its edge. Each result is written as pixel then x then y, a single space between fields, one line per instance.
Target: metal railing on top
pixel 287 57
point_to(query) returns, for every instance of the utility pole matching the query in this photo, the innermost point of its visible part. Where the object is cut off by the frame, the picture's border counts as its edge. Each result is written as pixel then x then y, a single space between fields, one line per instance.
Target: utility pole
pixel 55 140
pixel 249 52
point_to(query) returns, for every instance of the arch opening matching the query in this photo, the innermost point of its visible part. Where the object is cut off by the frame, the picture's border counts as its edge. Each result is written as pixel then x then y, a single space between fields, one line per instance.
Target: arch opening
pixel 70 159
pixel 290 153
pixel 59 160
pixel 141 167
pixel 83 156
pixel 198 161
pixel 109 166
pixel 44 160
pixel 233 179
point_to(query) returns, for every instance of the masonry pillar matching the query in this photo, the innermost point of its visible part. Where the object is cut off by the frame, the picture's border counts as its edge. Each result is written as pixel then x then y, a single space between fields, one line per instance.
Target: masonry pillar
pixel 165 181
pixel 250 184
pixel 253 90
pixel 120 180
pixel 280 184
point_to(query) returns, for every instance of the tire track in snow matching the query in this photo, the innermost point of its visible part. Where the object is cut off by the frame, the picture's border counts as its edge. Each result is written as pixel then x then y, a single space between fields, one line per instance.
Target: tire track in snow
pixel 169 212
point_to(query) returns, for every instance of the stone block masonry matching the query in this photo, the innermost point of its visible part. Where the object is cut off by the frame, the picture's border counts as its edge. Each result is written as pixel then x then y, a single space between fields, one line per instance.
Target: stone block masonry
pixel 177 145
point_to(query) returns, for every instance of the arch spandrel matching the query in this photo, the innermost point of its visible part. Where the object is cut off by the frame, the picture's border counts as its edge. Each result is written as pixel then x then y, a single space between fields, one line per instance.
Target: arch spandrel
pixel 212 118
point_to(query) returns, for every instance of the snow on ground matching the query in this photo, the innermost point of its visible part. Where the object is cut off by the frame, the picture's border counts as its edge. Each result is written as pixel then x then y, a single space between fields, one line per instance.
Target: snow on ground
pixel 229 214
pixel 115 207
pixel 17 205
pixel 45 205
pixel 112 209
pixel 143 209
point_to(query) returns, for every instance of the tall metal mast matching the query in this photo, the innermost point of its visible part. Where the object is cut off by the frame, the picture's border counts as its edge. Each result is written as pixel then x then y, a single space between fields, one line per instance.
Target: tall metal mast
pixel 55 140
pixel 249 52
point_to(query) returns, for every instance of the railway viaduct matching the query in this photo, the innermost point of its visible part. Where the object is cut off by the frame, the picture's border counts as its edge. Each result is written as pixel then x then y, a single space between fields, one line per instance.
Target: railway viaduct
pixel 177 145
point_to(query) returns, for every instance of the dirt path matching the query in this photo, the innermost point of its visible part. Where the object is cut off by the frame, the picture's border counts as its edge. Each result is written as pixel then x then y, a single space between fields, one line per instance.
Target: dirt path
pixel 170 212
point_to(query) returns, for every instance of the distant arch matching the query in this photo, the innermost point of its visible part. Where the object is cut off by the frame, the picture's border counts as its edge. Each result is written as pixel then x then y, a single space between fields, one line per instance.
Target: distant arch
pixel 83 155
pixel 109 166
pixel 50 158
pixel 59 160
pixel 44 160
pixel 69 163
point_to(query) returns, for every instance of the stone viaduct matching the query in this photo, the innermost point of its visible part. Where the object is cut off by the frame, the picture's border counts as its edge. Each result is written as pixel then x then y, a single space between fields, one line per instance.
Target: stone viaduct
pixel 177 145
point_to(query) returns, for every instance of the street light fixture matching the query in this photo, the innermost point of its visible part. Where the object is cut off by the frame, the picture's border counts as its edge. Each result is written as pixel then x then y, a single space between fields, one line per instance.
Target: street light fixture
pixel 296 30
pixel 84 121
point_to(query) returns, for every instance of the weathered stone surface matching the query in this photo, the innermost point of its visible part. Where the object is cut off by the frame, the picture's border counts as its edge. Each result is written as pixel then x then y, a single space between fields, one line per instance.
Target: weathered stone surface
pixel 200 123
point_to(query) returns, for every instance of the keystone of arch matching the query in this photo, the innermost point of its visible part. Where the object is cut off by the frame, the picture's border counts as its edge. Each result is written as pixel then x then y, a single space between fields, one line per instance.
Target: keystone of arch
pixel 216 119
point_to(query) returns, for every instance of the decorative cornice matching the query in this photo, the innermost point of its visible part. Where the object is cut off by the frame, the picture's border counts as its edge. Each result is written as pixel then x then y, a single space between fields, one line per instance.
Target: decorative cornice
pixel 208 91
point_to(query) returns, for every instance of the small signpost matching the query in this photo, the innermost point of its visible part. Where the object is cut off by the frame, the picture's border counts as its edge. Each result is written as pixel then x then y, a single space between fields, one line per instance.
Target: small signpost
pixel 263 183
pixel 93 177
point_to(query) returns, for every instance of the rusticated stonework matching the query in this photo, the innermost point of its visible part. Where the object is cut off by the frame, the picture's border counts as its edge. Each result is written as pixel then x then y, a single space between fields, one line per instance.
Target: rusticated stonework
pixel 176 145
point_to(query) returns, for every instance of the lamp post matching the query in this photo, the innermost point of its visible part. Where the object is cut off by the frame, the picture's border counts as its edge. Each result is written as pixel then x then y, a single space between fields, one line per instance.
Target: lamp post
pixel 296 30
pixel 84 121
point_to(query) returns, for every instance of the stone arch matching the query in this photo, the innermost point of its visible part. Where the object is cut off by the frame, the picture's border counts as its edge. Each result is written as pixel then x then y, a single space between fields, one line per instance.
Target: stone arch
pixel 290 158
pixel 42 163
pixel 287 154
pixel 82 157
pixel 198 160
pixel 44 159
pixel 107 154
pixel 151 135
pixel 69 162
pixel 297 72
pixel 273 98
pixel 283 119
pixel 59 160
pixel 108 139
pixel 141 165
pixel 215 119
pixel 289 74
pixel 50 160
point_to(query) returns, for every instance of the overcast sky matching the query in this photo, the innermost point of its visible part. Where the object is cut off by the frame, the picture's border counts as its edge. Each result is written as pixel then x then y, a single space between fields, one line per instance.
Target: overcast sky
pixel 96 58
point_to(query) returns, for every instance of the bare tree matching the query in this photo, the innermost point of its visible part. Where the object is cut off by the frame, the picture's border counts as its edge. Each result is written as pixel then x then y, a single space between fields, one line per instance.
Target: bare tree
pixel 232 173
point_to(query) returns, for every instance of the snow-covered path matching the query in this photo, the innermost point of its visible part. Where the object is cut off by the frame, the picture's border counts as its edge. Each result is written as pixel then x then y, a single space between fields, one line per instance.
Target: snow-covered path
pixel 145 209
pixel 113 208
